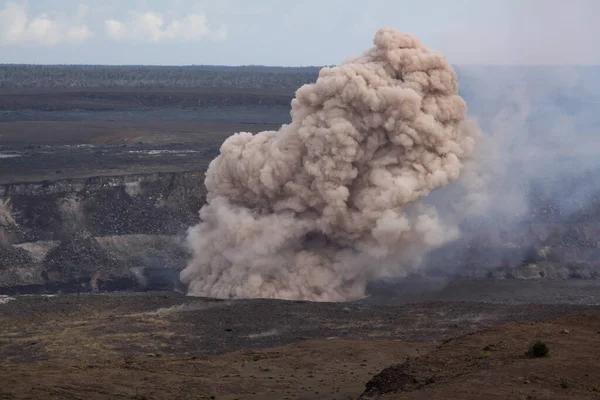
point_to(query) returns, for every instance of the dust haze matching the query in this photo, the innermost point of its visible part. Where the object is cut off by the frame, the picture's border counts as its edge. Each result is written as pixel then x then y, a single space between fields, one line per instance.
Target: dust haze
pixel 334 199
pixel 543 124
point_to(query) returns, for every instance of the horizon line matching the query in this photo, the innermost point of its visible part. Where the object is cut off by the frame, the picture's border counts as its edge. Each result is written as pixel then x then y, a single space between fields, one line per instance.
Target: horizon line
pixel 270 66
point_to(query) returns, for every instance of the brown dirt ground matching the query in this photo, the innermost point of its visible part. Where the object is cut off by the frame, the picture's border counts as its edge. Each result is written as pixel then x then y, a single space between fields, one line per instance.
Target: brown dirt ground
pixel 111 347
pixel 333 369
pixel 491 364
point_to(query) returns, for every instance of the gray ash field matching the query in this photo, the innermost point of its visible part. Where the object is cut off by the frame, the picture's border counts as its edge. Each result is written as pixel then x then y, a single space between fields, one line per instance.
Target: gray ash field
pixel 100 183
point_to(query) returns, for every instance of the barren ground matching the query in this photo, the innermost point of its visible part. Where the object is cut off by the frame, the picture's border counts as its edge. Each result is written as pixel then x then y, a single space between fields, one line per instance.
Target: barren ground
pixel 50 134
pixel 166 346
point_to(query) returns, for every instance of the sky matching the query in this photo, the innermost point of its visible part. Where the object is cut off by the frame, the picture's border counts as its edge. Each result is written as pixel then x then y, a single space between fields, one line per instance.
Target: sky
pixel 293 32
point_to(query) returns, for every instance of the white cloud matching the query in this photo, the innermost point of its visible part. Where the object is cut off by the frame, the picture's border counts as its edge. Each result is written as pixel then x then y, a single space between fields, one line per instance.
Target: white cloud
pixel 17 28
pixel 151 27
pixel 115 29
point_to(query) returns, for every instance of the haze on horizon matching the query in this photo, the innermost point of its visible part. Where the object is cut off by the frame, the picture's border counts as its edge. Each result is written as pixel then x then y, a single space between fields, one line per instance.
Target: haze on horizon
pixel 273 32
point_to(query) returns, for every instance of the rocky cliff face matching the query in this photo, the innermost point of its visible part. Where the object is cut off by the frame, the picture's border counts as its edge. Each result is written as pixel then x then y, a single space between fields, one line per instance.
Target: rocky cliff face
pixel 126 232
pixel 96 233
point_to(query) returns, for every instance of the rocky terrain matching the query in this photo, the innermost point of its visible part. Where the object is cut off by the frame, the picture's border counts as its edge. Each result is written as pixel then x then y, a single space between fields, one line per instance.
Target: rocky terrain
pixel 125 230
pixel 101 232
pixel 98 186
pixel 167 346
pixel 99 181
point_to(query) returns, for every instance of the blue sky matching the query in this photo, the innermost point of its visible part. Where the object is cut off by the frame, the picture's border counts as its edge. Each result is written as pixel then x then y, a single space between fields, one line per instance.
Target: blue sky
pixel 293 32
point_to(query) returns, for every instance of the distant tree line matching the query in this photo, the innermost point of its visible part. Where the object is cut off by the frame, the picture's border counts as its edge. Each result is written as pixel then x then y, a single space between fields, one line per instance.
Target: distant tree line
pixel 195 76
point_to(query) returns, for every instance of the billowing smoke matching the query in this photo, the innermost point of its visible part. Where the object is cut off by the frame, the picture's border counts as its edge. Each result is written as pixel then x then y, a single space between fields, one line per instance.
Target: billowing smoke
pixel 334 199
pixel 545 189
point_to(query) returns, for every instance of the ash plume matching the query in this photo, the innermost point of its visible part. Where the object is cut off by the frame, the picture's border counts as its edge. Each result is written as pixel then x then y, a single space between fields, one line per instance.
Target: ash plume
pixel 334 199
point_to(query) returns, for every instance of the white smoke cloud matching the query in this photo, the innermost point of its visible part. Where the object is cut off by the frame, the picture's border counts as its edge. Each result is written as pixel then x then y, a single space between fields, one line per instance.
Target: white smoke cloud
pixel 16 27
pixel 316 209
pixel 151 27
pixel 544 125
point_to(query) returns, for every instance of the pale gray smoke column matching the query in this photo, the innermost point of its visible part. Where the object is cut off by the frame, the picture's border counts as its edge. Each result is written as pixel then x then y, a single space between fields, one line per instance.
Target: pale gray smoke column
pixel 316 209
